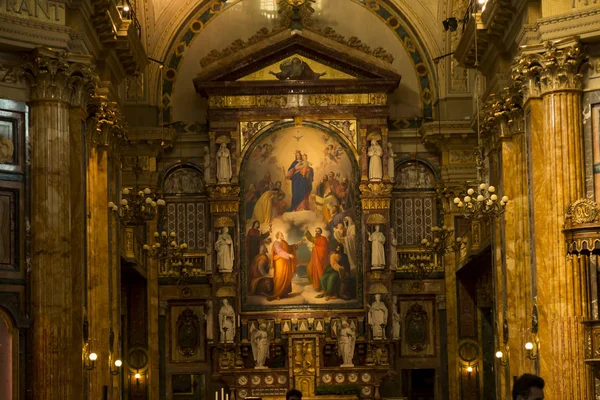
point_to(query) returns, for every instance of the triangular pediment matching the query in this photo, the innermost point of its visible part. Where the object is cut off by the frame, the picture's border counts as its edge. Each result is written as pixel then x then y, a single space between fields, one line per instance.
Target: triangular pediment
pixel 306 67
pixel 285 62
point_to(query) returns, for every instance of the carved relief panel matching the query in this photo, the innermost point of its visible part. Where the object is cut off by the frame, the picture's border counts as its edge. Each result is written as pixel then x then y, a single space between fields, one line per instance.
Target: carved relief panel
pixel 419 326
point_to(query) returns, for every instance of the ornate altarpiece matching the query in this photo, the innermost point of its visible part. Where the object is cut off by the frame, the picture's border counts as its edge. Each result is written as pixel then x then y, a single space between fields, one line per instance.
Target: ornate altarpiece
pixel 317 104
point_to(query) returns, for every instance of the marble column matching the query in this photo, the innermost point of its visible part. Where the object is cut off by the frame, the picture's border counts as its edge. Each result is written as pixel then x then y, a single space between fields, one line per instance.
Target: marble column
pixel 557 178
pixel 56 275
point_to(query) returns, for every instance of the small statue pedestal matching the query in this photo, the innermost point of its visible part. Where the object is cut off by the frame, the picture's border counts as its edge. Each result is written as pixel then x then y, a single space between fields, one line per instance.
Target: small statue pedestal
pixel 347 365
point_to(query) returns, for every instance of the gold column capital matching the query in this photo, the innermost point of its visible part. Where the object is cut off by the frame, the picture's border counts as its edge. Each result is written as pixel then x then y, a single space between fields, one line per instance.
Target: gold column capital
pixel 551 67
pixel 59 76
pixel 108 123
pixel 503 113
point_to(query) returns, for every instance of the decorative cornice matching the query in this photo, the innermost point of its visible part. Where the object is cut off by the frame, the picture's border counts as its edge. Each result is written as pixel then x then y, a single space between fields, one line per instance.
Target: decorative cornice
pixel 58 76
pixel 355 43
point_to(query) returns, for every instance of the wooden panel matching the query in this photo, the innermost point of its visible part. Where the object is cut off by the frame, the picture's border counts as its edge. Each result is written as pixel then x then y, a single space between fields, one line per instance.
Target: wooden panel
pixel 12 139
pixel 187 333
pixel 418 317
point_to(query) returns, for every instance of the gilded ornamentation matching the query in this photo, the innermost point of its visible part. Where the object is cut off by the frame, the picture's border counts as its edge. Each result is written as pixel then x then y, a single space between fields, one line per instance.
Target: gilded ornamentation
pixel 249 129
pixel 296 14
pixel 109 125
pixel 324 100
pixel 554 69
pixel 296 69
pixel 225 291
pixel 376 219
pixel 304 357
pixel 583 211
pixel 224 222
pixel 378 288
pixel 247 101
pixel 188 333
pixel 376 203
pixel 357 44
pixel 237 45
pixel 54 77
pixel 225 207
pixel 223 191
pixel 376 188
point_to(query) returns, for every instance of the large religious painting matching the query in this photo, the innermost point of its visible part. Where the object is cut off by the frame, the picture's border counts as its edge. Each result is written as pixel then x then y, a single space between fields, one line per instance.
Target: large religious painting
pixel 301 237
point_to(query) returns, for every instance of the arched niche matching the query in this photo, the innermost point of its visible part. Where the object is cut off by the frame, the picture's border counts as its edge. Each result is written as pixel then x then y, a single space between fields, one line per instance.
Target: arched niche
pixel 186 211
pixel 294 179
pixel 414 204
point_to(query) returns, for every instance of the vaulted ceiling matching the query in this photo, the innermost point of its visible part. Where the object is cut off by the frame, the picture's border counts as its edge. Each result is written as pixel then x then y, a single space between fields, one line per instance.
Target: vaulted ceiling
pixel 182 32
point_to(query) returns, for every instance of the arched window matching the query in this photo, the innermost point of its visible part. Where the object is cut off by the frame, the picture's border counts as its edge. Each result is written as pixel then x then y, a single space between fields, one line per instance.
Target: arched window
pixel 415 206
pixel 8 357
pixel 183 189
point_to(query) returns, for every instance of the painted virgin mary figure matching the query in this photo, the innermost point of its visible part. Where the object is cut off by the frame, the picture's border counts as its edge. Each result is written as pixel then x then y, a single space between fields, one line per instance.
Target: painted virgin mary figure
pixel 301 175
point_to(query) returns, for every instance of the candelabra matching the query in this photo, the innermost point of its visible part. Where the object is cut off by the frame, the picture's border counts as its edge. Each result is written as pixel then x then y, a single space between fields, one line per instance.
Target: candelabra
pixel 437 244
pixel 170 255
pixel 137 205
pixel 481 202
pixel 421 264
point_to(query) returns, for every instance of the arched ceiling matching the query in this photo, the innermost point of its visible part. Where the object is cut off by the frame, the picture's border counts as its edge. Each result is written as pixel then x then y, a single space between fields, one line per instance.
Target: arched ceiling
pixel 184 32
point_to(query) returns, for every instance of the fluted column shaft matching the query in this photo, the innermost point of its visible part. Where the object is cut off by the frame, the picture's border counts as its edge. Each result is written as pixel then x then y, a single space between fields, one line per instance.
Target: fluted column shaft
pixel 557 178
pixel 57 225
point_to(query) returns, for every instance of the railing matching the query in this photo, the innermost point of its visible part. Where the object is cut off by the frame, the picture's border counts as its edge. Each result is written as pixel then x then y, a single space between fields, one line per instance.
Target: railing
pixel 127 12
pixel 406 255
pixel 198 268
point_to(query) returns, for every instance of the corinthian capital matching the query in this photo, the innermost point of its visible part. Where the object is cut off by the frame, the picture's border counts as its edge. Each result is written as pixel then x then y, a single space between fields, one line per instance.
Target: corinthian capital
pixel 59 76
pixel 553 68
pixel 108 124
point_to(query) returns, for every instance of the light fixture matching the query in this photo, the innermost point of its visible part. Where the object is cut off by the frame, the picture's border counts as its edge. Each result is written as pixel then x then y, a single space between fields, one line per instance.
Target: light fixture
pixel 450 24
pixel 532 348
pixel 118 364
pixel 126 8
pixel 137 205
pixel 170 255
pixel 89 360
pixel 469 369
pixel 481 202
pixel 502 357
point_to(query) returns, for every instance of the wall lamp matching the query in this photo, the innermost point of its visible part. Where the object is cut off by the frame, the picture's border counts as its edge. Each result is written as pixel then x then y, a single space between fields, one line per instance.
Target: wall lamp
pixel 117 370
pixel 450 24
pixel 502 356
pixel 89 361
pixel 532 349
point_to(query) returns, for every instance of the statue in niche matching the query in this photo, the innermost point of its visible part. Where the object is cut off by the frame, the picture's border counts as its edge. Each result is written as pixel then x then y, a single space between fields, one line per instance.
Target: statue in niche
pixel 395 319
pixel 391 169
pixel 296 69
pixel 346 341
pixel 208 316
pixel 260 345
pixel 225 251
pixel 377 239
pixel 227 322
pixel 183 180
pixel 206 165
pixel 375 152
pixel 224 171
pixel 393 258
pixel 377 317
pixel 7 150
pixel 188 333
pixel 417 328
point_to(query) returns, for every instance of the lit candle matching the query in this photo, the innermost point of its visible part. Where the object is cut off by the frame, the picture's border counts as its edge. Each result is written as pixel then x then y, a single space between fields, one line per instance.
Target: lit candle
pixel 222 393
pixel 227 396
pixel 239 321
pixel 217 395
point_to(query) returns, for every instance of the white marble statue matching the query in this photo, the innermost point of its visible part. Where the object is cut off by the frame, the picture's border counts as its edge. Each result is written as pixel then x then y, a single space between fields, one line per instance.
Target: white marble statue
pixel 260 346
pixel 224 171
pixel 209 320
pixel 227 322
pixel 377 239
pixel 395 320
pixel 346 341
pixel 225 252
pixel 375 152
pixel 391 169
pixel 206 165
pixel 378 317
pixel 393 258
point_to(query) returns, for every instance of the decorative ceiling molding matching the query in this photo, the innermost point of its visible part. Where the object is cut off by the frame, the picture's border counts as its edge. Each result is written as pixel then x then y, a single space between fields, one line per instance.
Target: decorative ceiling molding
pixel 383 9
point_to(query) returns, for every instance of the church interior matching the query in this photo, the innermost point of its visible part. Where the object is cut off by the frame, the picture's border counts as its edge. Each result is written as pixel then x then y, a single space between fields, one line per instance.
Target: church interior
pixel 357 199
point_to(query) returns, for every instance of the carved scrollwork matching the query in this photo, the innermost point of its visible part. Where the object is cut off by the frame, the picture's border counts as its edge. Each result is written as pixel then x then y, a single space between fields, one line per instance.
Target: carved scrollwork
pixel 223 191
pixel 357 44
pixel 416 325
pixel 376 188
pixel 583 211
pixel 188 333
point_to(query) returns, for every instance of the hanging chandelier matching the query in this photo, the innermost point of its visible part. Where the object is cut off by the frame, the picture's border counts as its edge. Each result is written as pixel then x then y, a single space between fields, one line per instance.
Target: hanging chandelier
pixel 421 265
pixel 170 256
pixel 137 205
pixel 437 244
pixel 481 202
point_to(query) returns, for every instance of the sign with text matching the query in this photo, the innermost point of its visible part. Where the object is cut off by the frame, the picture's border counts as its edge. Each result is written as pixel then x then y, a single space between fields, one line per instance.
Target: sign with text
pixel 48 11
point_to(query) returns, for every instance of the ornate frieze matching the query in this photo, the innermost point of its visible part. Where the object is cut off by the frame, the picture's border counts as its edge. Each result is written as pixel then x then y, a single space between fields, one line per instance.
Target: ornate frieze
pixel 59 77
pixel 300 100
